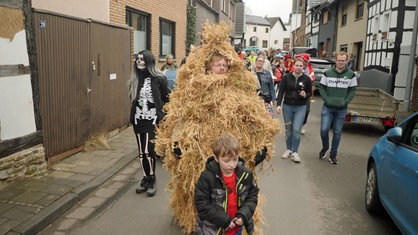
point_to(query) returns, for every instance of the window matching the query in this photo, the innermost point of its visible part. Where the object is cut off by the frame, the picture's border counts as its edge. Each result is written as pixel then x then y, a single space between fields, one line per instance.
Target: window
pixel 343 48
pixel 413 139
pixel 343 14
pixel 253 41
pixel 276 42
pixel 232 11
pixel 267 30
pixel 375 28
pixel 254 29
pixel 360 9
pixel 317 17
pixel 167 29
pixel 385 25
pixel 140 22
pixel 223 5
pixel 193 3
pixel 265 43
pixel 325 17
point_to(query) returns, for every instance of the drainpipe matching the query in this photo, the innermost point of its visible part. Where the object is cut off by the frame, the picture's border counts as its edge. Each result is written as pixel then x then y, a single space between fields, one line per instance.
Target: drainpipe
pixel 407 98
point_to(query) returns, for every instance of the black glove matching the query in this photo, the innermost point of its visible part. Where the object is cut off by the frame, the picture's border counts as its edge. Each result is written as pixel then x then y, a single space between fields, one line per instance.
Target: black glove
pixel 177 150
pixel 260 156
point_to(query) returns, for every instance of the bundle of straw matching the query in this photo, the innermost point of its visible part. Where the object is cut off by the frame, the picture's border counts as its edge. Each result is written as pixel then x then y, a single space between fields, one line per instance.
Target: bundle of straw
pixel 204 106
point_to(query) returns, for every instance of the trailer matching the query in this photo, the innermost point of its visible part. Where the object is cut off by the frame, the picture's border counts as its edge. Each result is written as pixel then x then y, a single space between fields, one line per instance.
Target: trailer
pixel 373 106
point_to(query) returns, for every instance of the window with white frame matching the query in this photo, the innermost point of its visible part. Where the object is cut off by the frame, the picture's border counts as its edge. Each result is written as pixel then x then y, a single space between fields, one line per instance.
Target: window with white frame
pixel 267 30
pixel 265 42
pixel 254 29
pixel 375 28
pixel 140 22
pixel 385 25
pixel 344 48
pixel 167 37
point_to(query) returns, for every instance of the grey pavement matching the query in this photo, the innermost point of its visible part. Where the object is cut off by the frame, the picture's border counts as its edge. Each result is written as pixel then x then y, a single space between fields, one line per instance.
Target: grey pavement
pixel 29 205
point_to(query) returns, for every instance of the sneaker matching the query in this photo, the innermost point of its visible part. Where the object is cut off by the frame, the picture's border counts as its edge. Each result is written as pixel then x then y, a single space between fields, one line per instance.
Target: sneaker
pixel 287 154
pixel 143 186
pixel 152 186
pixel 295 157
pixel 333 159
pixel 323 153
pixel 303 131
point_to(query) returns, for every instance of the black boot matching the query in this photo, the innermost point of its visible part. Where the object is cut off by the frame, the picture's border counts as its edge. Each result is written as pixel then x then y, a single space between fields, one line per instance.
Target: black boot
pixel 152 186
pixel 143 186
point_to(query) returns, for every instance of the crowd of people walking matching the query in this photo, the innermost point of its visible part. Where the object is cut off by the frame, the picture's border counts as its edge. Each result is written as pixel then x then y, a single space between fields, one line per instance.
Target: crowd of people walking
pixel 225 196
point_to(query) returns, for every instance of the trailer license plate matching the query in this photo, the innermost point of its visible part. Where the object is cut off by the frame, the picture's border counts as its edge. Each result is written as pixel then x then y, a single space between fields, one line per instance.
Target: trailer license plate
pixel 367 119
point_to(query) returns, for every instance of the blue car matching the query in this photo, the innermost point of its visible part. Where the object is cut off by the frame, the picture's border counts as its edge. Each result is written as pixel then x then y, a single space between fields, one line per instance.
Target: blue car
pixel 392 175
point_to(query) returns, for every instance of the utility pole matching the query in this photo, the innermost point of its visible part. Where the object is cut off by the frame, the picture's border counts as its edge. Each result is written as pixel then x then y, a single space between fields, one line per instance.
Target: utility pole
pixel 409 78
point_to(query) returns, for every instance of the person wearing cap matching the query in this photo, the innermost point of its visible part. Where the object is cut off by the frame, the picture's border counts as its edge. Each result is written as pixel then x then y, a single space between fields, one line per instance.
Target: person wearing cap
pixel 288 63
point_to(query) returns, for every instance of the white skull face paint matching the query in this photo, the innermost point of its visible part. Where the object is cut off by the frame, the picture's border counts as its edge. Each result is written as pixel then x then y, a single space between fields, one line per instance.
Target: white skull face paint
pixel 140 63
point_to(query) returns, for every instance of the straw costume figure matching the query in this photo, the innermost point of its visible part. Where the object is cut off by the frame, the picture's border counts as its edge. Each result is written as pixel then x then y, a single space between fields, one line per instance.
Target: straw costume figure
pixel 204 106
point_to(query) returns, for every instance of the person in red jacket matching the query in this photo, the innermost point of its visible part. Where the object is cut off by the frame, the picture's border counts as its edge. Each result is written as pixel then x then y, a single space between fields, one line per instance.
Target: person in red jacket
pixel 288 63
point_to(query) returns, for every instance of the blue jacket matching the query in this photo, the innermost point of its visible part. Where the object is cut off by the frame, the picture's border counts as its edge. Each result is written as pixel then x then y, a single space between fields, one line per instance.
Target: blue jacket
pixel 266 83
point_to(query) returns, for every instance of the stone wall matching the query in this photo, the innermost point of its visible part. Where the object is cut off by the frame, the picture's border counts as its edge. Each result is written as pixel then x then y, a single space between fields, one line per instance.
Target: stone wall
pixel 28 162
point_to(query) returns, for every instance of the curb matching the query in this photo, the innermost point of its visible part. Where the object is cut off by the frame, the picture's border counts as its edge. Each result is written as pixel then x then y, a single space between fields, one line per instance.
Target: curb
pixel 48 215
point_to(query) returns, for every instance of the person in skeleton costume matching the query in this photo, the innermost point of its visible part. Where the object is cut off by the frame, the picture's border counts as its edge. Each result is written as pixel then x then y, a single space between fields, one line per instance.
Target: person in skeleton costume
pixel 148 90
pixel 215 94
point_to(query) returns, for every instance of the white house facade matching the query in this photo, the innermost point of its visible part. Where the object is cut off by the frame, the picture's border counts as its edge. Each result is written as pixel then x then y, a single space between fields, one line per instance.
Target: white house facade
pixel 278 33
pixel 17 116
pixel 257 32
pixel 389 37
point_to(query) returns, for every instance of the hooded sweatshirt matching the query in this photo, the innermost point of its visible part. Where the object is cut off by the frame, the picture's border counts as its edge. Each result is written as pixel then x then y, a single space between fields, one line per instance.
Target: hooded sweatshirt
pixel 338 88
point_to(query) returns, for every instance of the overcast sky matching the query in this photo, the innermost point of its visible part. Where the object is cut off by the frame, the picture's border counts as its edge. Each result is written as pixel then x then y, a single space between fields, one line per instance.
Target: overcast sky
pixel 271 8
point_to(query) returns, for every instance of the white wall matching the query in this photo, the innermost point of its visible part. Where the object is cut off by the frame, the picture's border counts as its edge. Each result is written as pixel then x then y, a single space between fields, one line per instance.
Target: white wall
pixel 260 34
pixel 95 9
pixel 277 33
pixel 16 105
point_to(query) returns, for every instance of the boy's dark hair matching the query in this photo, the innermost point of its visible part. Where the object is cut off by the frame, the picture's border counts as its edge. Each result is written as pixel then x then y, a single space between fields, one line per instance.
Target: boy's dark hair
pixel 225 145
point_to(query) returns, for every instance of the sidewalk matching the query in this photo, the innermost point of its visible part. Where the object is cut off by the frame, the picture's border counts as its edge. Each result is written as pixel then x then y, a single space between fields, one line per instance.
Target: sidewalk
pixel 28 205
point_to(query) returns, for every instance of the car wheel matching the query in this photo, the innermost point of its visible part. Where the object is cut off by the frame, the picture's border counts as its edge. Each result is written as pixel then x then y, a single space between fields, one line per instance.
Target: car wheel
pixel 372 198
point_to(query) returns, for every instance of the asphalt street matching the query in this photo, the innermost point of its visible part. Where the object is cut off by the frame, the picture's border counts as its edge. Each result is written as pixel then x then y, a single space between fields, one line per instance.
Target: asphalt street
pixel 312 197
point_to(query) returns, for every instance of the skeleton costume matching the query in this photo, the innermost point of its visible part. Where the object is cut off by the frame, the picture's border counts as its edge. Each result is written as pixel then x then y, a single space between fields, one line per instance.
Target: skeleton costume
pixel 148 89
